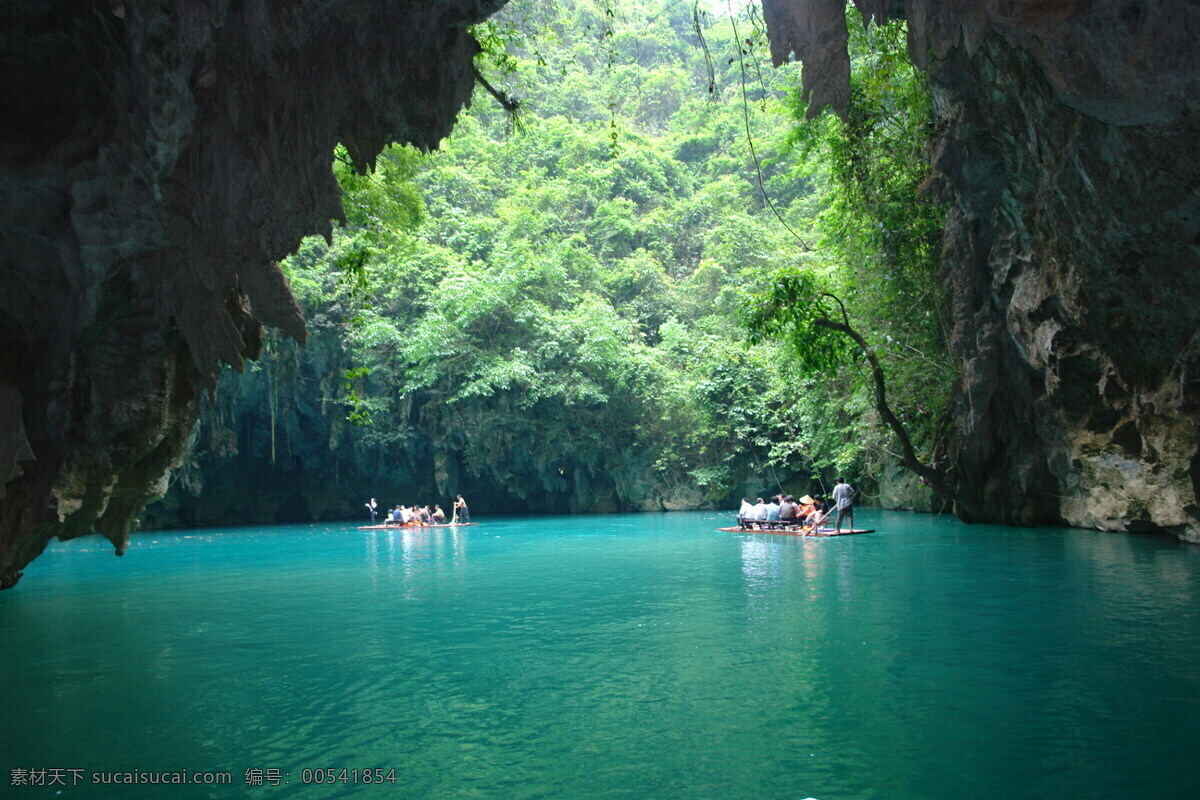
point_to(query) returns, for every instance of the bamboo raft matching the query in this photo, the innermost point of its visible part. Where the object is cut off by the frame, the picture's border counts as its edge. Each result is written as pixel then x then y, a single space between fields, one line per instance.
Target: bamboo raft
pixel 415 527
pixel 795 531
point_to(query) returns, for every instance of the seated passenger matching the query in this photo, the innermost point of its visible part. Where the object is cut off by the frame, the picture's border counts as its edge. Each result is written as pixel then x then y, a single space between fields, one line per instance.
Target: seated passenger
pixel 817 515
pixel 760 511
pixel 787 510
pixel 394 516
pixel 438 516
pixel 772 511
pixel 745 513
pixel 424 515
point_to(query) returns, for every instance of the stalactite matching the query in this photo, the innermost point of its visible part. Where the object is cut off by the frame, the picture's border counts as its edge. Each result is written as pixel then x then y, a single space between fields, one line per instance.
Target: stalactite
pixel 154 165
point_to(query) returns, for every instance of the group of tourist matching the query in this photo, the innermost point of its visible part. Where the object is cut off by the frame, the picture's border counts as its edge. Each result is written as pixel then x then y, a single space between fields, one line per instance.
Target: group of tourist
pixel 807 513
pixel 420 516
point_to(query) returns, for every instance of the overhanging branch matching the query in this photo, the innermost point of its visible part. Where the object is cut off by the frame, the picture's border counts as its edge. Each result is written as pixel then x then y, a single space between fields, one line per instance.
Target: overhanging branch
pixel 931 475
pixel 509 104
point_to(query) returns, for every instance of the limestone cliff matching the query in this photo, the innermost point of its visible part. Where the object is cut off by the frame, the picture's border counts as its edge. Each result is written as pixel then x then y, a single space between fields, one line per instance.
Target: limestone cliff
pixel 1068 151
pixel 275 446
pixel 155 160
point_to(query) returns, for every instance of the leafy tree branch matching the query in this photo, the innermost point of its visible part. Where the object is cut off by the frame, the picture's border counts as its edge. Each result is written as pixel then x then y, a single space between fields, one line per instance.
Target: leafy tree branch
pixel 813 321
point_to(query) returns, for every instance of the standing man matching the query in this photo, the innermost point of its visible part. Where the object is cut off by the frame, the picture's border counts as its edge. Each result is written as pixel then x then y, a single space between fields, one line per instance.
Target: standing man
pixel 843 498
pixel 463 513
pixel 371 506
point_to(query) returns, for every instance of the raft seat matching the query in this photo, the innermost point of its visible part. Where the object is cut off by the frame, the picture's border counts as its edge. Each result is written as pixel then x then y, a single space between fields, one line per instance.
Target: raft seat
pixel 747 523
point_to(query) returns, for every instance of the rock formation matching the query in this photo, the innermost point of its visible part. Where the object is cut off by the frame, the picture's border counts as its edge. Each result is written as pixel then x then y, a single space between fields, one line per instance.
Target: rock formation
pixel 157 158
pixel 275 446
pixel 1068 152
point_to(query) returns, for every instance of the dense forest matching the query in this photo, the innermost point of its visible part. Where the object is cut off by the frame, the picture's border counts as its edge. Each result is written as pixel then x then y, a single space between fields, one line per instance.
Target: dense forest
pixel 598 297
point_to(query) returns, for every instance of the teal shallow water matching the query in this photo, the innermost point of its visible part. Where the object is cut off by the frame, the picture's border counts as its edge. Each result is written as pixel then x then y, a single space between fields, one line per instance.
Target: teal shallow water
pixel 632 656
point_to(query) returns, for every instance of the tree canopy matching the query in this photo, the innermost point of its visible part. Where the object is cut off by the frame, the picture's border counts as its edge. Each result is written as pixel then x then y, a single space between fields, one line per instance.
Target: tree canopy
pixel 552 309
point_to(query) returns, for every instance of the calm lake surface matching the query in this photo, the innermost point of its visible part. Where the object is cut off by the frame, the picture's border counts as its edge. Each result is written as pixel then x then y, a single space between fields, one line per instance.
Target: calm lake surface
pixel 631 656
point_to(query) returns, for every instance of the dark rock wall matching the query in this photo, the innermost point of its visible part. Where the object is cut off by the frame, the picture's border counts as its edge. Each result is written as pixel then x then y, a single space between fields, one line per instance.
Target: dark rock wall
pixel 155 159
pixel 1068 151
pixel 1072 265
pixel 275 446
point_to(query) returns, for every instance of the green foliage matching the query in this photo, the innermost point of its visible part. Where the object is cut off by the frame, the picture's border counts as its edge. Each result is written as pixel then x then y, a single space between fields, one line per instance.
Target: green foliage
pixel 385 200
pixel 878 241
pixel 792 310
pixel 495 39
pixel 545 300
pixel 359 413
pixel 560 307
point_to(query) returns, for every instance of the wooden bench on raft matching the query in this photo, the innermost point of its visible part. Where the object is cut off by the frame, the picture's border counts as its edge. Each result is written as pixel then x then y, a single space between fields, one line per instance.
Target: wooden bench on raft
pixel 771 524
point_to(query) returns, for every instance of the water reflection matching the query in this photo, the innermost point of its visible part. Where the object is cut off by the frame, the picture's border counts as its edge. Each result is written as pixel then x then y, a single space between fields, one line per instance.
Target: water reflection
pixel 405 554
pixel 781 566
pixel 756 565
pixel 1133 570
pixel 846 575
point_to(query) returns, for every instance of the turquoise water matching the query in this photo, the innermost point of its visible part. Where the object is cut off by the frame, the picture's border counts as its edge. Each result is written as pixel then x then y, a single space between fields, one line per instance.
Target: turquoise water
pixel 625 656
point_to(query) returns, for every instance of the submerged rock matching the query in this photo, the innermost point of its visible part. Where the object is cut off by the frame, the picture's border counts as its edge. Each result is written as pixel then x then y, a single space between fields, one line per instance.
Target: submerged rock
pixel 155 161
pixel 1068 152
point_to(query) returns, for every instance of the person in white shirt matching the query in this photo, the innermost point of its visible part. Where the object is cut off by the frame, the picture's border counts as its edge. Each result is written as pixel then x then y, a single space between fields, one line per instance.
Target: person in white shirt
pixel 760 510
pixel 746 512
pixel 843 498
